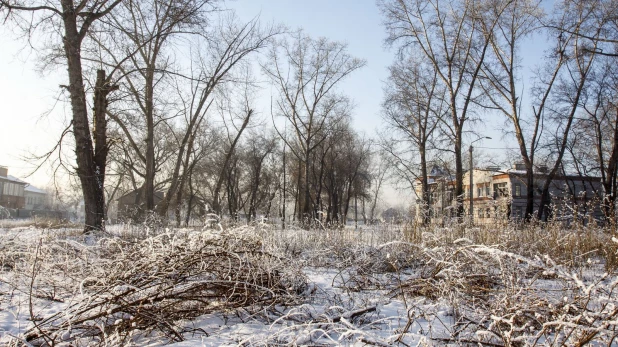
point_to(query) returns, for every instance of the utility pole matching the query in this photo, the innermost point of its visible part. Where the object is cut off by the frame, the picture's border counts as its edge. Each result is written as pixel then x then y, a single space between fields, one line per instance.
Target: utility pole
pixel 283 193
pixel 355 212
pixel 471 197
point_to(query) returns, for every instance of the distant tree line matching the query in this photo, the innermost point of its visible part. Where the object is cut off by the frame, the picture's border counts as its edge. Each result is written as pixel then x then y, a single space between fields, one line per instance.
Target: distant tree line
pixel 163 95
pixel 163 99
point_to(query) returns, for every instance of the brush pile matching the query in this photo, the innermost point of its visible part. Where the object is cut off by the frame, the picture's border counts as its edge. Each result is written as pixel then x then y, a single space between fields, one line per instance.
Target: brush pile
pixel 114 290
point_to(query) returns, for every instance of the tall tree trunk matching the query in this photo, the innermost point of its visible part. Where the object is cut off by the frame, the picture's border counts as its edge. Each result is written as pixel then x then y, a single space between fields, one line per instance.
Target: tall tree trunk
pixel 307 208
pixel 609 174
pixel 283 192
pixel 297 209
pixel 191 198
pixel 91 160
pixel 424 187
pixel 101 149
pixel 335 213
pixel 216 203
pixel 329 208
pixel 150 154
pixel 346 205
pixel 92 187
pixel 254 190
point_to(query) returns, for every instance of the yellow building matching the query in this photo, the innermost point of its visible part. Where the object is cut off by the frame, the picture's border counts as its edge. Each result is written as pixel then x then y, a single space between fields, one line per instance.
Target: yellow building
pixel 500 195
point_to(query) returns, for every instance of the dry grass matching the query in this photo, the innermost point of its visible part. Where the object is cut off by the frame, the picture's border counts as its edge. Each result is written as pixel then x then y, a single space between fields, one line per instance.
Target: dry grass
pixel 40 223
pixel 573 246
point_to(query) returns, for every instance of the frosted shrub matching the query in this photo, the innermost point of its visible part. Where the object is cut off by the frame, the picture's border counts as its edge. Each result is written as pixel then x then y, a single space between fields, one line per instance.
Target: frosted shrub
pixel 502 298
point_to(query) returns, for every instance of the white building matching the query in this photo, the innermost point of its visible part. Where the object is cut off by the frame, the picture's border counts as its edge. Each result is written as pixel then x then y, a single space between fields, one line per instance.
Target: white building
pixel 36 199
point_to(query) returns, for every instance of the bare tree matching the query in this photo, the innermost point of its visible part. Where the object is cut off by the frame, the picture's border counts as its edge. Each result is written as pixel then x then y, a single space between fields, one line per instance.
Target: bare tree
pixel 70 23
pixel 413 108
pixel 578 57
pixel 598 129
pixel 143 56
pixel 445 34
pixel 233 134
pixel 378 172
pixel 595 28
pixel 216 65
pixel 259 148
pixel 355 170
pixel 306 72
pixel 340 173
pixel 502 72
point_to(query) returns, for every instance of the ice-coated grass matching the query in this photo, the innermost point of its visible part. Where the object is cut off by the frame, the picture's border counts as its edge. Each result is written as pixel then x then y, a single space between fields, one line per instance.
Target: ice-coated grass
pixel 501 285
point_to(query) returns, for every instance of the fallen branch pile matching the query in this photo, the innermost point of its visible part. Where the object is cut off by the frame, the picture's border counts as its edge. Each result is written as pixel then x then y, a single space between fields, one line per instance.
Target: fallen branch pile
pixel 117 290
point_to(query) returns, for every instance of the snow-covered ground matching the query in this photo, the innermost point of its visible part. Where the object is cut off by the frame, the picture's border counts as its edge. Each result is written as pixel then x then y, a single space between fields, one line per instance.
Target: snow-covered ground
pixel 255 286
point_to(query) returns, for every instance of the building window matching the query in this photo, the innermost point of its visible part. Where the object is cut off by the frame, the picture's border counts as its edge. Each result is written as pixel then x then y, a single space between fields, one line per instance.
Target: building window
pixel 517 190
pixel 479 192
pixel 500 190
pixel 487 192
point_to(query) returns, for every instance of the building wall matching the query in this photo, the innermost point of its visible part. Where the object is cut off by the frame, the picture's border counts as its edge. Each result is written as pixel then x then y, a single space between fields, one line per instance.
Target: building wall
pixel 35 200
pixel 12 201
pixel 502 196
pixel 570 197
pixel 12 195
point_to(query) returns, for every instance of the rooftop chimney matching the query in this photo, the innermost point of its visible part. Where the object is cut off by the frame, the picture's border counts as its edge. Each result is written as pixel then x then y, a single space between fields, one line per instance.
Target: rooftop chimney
pixel 4 171
pixel 519 166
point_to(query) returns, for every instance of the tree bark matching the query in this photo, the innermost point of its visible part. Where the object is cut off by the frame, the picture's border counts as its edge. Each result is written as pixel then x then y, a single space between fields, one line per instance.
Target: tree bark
pixel 91 160
pixel 424 186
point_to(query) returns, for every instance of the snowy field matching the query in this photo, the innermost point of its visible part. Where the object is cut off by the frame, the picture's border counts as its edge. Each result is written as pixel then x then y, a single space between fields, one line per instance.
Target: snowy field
pixel 258 286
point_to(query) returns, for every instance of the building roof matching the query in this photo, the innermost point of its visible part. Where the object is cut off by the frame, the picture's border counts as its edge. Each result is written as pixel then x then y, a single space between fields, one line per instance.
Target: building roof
pixel 33 189
pixel 12 179
pixel 557 177
pixel 510 171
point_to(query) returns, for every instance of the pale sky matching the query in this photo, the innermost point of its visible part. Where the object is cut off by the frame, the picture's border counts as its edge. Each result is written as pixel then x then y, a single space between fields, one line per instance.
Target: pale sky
pixel 26 95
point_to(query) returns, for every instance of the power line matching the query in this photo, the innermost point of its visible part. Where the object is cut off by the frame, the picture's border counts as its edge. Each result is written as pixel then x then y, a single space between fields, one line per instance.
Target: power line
pixel 513 148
